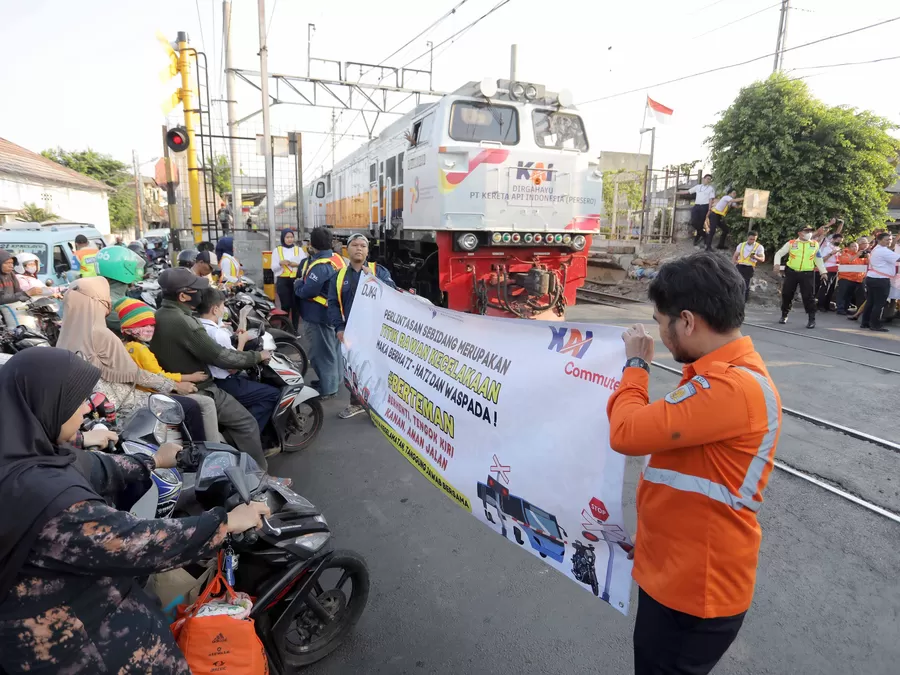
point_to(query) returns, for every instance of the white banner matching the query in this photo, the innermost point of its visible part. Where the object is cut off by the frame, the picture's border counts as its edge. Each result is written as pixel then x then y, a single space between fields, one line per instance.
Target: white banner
pixel 508 418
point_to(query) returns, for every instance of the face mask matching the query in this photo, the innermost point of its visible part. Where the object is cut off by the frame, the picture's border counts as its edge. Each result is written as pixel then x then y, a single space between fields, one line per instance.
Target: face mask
pixel 31 269
pixel 195 300
pixel 806 236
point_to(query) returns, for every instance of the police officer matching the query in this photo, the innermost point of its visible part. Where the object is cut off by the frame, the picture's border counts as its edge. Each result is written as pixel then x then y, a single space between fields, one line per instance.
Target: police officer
pixel 800 271
pixel 86 254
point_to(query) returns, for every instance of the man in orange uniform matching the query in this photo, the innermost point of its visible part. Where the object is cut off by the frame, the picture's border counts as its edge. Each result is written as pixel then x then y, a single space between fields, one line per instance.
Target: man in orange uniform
pixel 711 446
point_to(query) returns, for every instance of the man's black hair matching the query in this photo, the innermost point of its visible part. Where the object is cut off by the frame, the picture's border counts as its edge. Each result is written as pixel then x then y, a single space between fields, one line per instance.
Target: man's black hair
pixel 837 235
pixel 81 239
pixel 703 283
pixel 320 239
pixel 753 233
pixel 882 236
pixel 209 298
pixel 708 175
pixel 205 246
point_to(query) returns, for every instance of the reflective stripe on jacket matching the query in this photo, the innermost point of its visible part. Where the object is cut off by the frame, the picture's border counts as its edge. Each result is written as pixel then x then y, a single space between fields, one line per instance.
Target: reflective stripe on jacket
pixel 339 288
pixel 336 261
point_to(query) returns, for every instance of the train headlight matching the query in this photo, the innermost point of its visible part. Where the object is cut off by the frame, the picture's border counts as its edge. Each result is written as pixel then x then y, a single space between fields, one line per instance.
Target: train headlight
pixel 578 242
pixel 517 90
pixel 497 238
pixel 468 241
pixel 559 239
pixel 516 238
pixel 507 238
pixel 567 239
pixel 530 92
pixel 529 238
pixel 538 238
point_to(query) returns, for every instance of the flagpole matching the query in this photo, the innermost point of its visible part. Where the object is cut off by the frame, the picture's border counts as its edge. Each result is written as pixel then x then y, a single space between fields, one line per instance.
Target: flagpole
pixel 643 124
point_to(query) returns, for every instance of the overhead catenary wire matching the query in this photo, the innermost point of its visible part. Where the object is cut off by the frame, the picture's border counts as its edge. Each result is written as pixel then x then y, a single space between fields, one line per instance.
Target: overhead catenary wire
pixel 737 65
pixel 848 63
pixel 200 25
pixel 731 23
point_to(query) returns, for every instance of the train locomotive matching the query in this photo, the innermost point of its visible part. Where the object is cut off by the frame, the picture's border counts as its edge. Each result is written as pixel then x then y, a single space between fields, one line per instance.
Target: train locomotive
pixel 484 201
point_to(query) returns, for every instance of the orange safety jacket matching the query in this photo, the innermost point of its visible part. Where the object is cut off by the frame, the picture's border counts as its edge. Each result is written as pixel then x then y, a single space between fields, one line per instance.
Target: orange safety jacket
pixel 848 257
pixel 87 261
pixel 336 261
pixel 711 444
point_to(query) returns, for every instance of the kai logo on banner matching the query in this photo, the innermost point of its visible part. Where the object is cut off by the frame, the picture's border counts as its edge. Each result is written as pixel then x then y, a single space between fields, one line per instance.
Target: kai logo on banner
pixel 534 171
pixel 576 344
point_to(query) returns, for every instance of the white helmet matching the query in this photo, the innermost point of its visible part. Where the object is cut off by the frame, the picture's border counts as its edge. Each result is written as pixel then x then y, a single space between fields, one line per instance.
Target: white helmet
pixel 24 258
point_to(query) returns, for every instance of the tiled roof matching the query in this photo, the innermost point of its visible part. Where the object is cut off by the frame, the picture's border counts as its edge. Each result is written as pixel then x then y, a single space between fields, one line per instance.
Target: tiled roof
pixel 17 162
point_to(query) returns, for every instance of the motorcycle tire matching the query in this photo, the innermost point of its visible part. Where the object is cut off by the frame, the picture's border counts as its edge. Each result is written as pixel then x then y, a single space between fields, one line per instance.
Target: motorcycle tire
pixel 291 349
pixel 282 323
pixel 354 568
pixel 303 431
pixel 595 587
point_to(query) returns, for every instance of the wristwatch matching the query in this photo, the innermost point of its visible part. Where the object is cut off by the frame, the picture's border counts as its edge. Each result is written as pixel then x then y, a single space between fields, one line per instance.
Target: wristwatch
pixel 636 362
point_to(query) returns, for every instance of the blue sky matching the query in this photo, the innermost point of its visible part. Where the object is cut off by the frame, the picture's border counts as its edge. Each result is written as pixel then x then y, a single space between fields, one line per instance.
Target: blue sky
pixel 81 74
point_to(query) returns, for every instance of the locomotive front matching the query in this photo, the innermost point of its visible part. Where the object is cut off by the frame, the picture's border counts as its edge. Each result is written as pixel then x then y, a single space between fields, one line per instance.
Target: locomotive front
pixel 507 190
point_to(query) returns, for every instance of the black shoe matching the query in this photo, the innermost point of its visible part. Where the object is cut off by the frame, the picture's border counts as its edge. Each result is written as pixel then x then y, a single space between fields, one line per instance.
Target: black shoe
pixel 880 329
pixel 864 325
pixel 783 319
pixel 811 323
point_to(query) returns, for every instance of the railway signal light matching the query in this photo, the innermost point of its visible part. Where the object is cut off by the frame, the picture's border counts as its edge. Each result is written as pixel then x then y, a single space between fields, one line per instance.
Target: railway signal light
pixel 177 139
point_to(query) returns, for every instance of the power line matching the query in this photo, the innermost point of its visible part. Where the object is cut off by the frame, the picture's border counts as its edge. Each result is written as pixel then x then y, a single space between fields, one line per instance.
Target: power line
pixel 200 23
pixel 271 16
pixel 731 23
pixel 712 4
pixel 849 63
pixel 742 63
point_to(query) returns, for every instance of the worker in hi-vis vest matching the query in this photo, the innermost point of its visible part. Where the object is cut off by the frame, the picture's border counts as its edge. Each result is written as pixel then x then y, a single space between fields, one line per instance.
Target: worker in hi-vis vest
pixel 86 254
pixel 286 260
pixel 746 255
pixel 800 270
pixel 342 291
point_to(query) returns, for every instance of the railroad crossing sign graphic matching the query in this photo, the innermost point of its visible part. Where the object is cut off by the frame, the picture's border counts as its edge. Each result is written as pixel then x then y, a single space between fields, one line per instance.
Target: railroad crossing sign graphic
pixel 501 470
pixel 598 510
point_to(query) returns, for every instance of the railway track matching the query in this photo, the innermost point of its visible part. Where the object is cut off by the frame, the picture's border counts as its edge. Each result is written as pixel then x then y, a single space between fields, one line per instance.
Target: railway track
pixel 602 298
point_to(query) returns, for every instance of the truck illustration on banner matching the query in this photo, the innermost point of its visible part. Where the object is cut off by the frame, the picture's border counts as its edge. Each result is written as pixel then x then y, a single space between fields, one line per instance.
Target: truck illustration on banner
pixel 541 528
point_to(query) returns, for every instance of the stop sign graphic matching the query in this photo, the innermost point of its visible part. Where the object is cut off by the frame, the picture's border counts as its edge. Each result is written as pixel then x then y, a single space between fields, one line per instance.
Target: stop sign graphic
pixel 598 509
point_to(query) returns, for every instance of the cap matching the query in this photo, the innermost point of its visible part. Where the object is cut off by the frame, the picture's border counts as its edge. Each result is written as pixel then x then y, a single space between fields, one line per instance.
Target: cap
pixel 357 236
pixel 134 313
pixel 806 228
pixel 208 258
pixel 177 278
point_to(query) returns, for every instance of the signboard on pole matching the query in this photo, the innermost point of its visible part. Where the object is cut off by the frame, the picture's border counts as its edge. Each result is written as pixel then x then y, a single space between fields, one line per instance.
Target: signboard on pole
pixel 507 418
pixel 756 203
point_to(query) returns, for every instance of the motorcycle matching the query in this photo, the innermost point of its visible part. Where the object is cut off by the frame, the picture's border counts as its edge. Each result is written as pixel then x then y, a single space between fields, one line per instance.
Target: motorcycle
pixel 18 338
pixel 301 614
pixel 46 313
pixel 286 343
pixel 583 566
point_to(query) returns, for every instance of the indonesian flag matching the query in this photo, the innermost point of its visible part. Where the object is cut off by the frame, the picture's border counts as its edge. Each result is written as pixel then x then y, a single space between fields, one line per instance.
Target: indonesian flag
pixel 661 113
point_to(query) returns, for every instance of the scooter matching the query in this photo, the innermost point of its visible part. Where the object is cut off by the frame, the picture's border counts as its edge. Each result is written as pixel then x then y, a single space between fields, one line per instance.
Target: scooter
pixel 583 566
pixel 46 312
pixel 14 340
pixel 287 344
pixel 307 596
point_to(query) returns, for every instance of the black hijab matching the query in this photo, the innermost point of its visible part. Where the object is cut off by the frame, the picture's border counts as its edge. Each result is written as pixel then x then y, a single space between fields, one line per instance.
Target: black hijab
pixel 284 233
pixel 40 389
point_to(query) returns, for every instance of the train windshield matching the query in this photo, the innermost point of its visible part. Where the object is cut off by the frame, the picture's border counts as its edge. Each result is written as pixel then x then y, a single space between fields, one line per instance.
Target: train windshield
pixel 560 131
pixel 474 121
pixel 541 520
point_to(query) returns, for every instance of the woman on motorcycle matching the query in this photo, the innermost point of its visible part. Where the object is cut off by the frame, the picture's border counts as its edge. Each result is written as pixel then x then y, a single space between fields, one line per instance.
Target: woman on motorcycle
pixel 10 291
pixel 27 270
pixel 84 332
pixel 69 602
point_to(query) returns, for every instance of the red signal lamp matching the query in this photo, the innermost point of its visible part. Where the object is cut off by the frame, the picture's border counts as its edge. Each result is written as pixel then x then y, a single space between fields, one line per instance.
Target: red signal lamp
pixel 177 139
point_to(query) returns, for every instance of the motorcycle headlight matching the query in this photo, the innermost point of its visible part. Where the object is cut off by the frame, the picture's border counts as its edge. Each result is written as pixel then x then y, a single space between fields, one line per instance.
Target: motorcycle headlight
pixel 312 542
pixel 160 431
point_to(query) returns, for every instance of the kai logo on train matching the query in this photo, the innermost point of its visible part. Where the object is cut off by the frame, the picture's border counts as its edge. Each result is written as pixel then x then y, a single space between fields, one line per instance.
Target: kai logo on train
pixel 570 341
pixel 536 172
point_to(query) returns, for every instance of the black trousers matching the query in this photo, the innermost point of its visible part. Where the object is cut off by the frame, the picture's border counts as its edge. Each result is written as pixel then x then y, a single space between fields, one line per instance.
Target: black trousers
pixel 877 292
pixel 806 281
pixel 698 218
pixel 290 303
pixel 746 271
pixel 668 642
pixel 716 222
pixel 825 292
pixel 847 294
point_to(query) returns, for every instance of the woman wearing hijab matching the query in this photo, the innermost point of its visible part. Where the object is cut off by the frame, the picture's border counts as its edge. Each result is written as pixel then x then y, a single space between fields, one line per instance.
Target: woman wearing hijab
pixel 285 263
pixel 229 267
pixel 69 602
pixel 10 290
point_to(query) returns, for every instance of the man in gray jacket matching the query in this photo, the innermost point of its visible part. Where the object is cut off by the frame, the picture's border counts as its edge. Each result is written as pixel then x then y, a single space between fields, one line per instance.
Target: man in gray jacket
pixel 181 345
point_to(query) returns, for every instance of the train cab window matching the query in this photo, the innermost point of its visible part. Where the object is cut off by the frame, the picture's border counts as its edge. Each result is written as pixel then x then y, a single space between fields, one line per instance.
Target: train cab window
pixel 391 170
pixel 400 169
pixel 560 131
pixel 328 183
pixel 320 190
pixel 421 132
pixel 474 121
pixel 373 172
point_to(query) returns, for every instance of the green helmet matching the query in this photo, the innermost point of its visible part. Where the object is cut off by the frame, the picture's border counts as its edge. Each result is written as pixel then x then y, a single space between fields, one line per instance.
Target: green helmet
pixel 120 264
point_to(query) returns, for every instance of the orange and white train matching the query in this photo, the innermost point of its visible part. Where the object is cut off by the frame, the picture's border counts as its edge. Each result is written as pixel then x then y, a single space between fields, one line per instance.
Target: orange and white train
pixel 484 201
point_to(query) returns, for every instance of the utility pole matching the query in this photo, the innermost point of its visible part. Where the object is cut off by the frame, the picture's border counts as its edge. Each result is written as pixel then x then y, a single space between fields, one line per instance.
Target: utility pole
pixel 310 29
pixel 237 199
pixel 513 57
pixel 138 196
pixel 170 194
pixel 649 185
pixel 187 99
pixel 781 41
pixel 267 131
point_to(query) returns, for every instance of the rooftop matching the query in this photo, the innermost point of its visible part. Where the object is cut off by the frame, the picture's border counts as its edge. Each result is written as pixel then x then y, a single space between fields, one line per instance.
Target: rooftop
pixel 19 163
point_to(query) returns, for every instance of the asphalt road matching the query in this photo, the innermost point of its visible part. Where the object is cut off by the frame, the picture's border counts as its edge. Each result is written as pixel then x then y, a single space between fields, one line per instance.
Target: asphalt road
pixel 450 597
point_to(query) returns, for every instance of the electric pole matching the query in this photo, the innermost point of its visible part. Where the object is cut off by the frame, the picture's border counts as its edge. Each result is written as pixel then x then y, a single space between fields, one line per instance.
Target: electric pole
pixel 138 195
pixel 237 199
pixel 170 194
pixel 267 131
pixel 781 41
pixel 187 100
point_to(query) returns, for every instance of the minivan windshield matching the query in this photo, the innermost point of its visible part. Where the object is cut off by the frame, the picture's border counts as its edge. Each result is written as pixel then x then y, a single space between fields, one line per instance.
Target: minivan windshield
pixel 39 249
pixel 474 121
pixel 560 131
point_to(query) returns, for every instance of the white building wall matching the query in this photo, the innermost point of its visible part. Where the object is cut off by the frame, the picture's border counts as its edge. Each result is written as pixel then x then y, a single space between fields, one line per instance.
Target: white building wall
pixel 83 206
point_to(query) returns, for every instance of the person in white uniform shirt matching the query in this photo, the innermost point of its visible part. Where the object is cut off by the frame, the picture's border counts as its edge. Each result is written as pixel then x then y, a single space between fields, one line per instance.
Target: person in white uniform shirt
pixel 746 255
pixel 717 215
pixel 705 193
pixel 285 261
pixel 882 267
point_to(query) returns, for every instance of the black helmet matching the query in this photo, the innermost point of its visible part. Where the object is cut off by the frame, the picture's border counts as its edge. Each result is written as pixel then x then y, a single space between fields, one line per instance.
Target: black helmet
pixel 138 248
pixel 187 257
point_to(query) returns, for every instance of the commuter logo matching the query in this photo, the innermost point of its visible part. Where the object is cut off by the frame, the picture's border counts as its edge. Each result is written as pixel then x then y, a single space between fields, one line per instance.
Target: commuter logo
pixel 536 172
pixel 570 341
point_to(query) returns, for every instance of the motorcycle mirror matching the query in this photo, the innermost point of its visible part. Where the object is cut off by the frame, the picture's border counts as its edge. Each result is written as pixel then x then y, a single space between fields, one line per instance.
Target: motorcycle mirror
pixel 239 480
pixel 166 409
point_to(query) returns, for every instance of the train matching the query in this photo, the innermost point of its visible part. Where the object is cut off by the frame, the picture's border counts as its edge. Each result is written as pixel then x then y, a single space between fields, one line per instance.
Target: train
pixel 483 201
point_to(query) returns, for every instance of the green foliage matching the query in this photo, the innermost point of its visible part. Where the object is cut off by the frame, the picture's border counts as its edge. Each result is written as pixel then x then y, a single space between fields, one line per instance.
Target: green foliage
pixel 683 169
pixel 817 161
pixel 631 191
pixel 221 169
pixel 106 169
pixel 32 213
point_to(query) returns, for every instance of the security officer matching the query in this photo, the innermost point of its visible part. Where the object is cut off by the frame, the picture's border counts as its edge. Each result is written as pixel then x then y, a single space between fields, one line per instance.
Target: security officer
pixel 311 288
pixel 342 292
pixel 86 254
pixel 800 271
pixel 286 260
pixel 746 255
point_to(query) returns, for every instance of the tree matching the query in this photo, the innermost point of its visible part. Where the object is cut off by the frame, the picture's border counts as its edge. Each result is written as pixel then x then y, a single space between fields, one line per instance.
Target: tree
pixel 107 170
pixel 630 192
pixel 32 213
pixel 221 170
pixel 817 161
